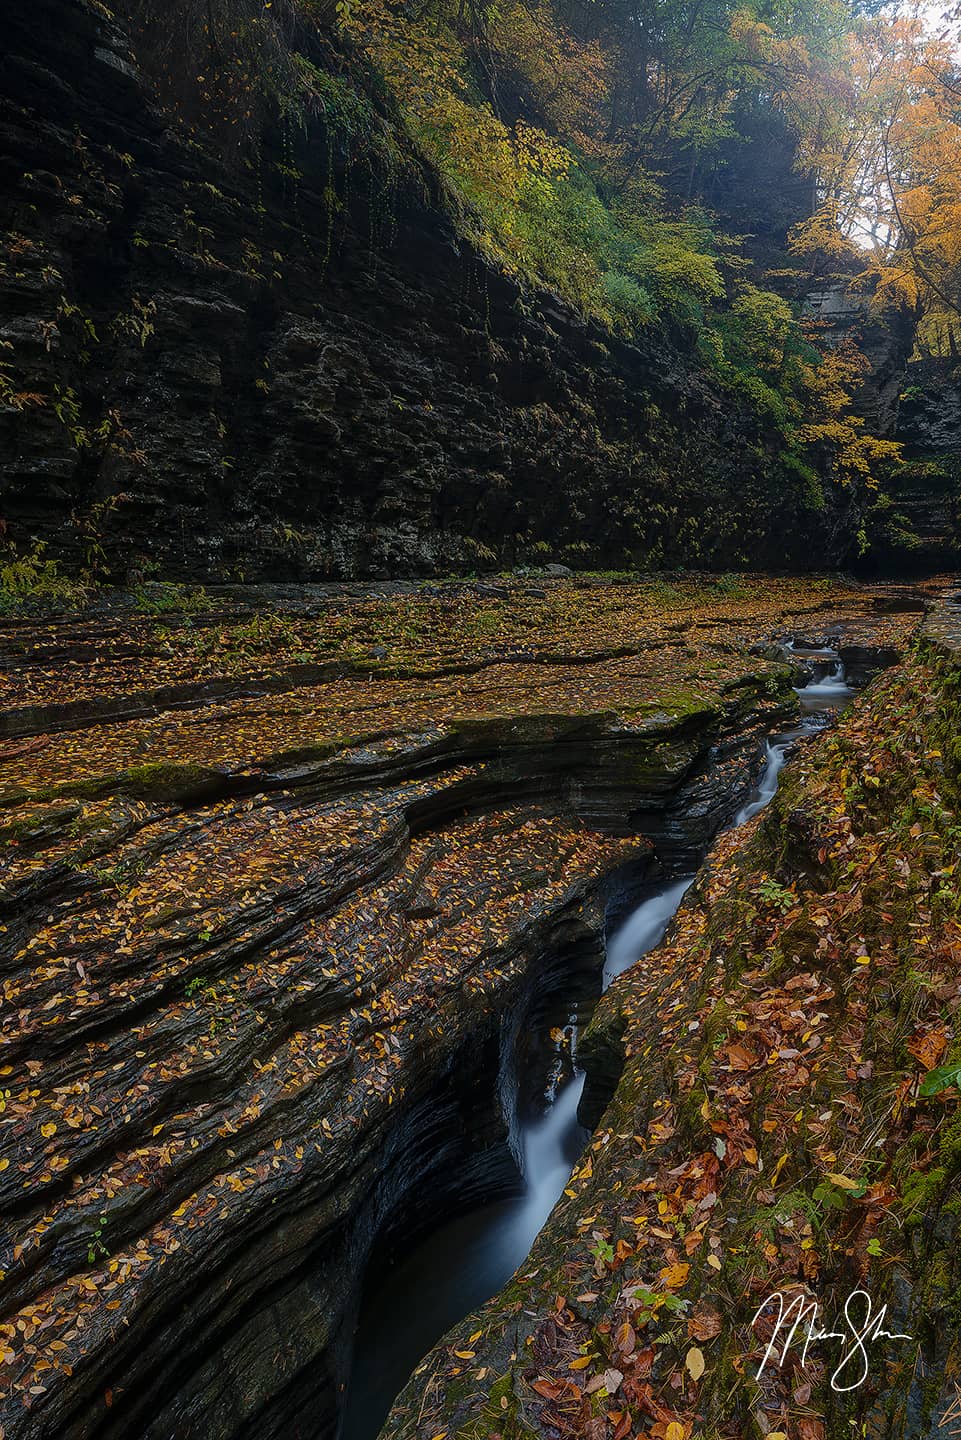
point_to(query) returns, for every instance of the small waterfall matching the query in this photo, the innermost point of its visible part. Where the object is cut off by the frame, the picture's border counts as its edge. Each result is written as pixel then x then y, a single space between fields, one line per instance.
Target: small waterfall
pixel 775 755
pixel 551 1144
pixel 644 929
pixel 827 693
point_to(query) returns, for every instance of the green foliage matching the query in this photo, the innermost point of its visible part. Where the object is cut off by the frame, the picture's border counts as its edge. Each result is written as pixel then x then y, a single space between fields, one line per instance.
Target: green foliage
pixel 730 586
pixel 683 277
pixel 537 202
pixel 571 153
pixel 630 304
pixel 96 1249
pixel 945 1077
pixel 772 892
pixel 652 1303
pixel 829 1197
pixel 760 326
pixel 804 480
pixel 138 322
pixel 32 577
pixel 162 598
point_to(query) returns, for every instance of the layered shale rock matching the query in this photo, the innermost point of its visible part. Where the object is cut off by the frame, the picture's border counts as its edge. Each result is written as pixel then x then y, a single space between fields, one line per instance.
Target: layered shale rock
pixel 786 1120
pixel 263 941
pixel 296 367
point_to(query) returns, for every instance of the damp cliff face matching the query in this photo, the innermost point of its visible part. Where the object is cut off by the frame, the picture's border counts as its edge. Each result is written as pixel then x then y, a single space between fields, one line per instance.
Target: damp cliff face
pixel 928 494
pixel 298 368
pixel 914 522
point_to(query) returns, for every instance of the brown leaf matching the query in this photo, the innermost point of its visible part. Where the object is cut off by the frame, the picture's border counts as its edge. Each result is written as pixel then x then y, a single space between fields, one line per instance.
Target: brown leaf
pixel 626 1340
pixel 928 1048
pixel 739 1057
pixel 705 1323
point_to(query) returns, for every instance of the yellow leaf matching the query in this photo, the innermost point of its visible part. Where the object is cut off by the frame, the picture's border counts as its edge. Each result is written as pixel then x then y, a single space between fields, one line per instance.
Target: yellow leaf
pixel 695 1363
pixel 581 1363
pixel 844 1182
pixel 714 1262
pixel 3 1165
pixel 675 1431
pixel 47 1130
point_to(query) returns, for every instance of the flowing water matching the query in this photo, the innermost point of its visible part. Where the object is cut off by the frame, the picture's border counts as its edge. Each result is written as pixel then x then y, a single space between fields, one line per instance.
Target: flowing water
pixel 466 1261
pixel 461 1265
pixel 644 929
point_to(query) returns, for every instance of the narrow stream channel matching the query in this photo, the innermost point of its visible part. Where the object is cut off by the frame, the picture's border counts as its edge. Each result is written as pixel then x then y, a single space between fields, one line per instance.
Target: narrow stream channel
pixel 466 1261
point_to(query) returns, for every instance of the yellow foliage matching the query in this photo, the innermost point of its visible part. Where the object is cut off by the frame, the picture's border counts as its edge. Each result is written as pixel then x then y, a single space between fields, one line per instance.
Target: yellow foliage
pixel 838 433
pixel 568 77
pixel 489 161
pixel 885 143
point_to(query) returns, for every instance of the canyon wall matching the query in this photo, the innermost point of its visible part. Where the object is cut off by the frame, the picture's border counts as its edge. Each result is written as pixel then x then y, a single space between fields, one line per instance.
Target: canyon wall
pixel 297 368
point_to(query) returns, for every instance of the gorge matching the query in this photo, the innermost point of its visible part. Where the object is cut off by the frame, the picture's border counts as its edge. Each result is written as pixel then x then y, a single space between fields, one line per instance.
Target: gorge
pixel 265 952
pixel 479 760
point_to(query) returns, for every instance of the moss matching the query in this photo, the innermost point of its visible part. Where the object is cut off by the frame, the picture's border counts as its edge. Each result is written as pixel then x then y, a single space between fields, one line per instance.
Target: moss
pixel 776 683
pixel 921 1190
pixel 40 823
pixel 501 1414
pixel 158 781
pixel 499 730
pixel 322 750
pixel 680 704
pixel 950 1144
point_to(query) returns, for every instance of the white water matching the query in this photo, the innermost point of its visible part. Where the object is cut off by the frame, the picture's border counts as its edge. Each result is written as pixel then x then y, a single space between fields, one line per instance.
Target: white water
pixel 826 694
pixel 648 924
pixel 644 929
pixel 459 1266
pixel 775 755
pixel 551 1146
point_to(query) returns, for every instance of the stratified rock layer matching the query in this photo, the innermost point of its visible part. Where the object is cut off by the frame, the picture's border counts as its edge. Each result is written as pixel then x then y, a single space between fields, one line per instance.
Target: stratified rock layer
pixel 259 953
pixel 296 367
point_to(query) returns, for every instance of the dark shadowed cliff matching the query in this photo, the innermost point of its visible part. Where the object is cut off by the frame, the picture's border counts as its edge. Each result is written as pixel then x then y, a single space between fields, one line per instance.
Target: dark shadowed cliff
pixel 297 368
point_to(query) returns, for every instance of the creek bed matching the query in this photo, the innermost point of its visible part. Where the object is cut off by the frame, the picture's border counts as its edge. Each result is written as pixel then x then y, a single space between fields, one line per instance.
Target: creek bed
pixel 411 1300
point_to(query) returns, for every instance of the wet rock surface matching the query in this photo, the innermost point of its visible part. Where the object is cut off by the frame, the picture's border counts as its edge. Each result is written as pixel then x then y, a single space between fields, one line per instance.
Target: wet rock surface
pixel 258 950
pixel 206 372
